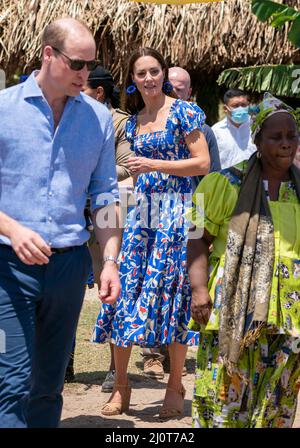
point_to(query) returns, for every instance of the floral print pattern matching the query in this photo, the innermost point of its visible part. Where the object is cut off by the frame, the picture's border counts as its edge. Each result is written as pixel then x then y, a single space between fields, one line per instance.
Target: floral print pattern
pixel 268 400
pixel 154 306
pixel 273 369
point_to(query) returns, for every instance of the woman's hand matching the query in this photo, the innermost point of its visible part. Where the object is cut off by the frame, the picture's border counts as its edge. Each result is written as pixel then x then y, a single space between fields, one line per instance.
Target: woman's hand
pixel 138 165
pixel 201 305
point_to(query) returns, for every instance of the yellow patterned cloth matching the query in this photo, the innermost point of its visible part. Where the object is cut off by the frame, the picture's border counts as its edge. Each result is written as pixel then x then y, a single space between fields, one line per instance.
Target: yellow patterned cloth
pixel 220 192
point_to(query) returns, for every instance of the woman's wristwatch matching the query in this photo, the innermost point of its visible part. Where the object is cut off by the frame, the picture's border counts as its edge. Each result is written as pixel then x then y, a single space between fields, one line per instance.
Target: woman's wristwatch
pixel 110 258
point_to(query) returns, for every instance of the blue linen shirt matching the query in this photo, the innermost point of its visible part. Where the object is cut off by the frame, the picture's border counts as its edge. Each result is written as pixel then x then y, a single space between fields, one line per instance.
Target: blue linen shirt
pixel 46 174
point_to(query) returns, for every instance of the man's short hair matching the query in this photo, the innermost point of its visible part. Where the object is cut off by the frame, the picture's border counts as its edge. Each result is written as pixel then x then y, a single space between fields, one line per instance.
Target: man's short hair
pixel 232 93
pixel 55 33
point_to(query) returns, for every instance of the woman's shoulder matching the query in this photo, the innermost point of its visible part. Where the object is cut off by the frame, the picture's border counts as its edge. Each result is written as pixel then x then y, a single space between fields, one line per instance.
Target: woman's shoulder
pixel 186 107
pixel 229 178
pixel 188 115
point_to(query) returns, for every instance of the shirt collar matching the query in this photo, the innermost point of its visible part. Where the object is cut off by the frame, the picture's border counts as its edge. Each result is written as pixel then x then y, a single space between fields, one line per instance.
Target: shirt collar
pixel 31 89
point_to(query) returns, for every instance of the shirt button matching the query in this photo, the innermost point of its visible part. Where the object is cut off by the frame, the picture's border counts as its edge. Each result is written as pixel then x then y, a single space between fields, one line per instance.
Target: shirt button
pixel 50 219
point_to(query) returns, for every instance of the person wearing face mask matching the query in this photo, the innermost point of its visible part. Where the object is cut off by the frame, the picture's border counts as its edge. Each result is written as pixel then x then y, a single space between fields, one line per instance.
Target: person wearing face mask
pixel 233 132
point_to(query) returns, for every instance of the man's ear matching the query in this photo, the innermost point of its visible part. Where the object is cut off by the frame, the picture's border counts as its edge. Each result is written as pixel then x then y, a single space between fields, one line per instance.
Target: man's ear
pixel 47 53
pixel 100 94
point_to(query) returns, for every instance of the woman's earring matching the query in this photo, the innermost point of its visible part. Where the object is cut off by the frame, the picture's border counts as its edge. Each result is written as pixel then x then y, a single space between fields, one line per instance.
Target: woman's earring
pixel 258 154
pixel 131 89
pixel 167 87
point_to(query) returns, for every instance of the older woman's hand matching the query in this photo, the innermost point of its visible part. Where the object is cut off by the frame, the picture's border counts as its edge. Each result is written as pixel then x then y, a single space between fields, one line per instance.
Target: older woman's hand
pixel 138 165
pixel 201 305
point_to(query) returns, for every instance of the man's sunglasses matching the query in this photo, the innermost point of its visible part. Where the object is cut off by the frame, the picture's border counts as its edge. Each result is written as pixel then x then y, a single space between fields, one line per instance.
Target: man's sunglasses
pixel 78 64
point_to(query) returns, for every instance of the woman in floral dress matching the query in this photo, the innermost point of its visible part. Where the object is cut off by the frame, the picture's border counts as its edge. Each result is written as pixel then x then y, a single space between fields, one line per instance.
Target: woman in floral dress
pixel 246 294
pixel 154 306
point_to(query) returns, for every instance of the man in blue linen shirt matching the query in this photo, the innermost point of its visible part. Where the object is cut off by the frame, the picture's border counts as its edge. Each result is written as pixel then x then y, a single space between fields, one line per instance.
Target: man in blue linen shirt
pixel 56 147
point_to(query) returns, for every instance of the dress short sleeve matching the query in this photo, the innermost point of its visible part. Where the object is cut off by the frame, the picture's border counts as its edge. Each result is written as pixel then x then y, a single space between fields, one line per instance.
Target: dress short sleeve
pixel 190 117
pixel 130 128
pixel 218 197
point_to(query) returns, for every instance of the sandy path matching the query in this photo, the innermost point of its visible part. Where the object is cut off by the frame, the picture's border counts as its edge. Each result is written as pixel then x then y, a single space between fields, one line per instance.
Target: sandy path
pixel 82 405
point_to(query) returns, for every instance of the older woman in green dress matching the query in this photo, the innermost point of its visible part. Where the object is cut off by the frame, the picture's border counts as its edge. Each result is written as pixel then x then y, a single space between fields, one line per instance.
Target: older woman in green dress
pixel 246 293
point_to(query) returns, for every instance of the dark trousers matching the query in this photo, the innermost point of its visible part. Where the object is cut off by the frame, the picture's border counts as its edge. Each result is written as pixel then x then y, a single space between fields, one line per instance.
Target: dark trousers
pixel 39 311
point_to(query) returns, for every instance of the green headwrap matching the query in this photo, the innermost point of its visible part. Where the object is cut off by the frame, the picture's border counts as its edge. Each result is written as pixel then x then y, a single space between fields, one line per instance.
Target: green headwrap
pixel 268 107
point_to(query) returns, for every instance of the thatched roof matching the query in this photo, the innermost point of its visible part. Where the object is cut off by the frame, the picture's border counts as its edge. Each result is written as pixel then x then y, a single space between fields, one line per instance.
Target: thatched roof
pixel 207 37
pixel 176 2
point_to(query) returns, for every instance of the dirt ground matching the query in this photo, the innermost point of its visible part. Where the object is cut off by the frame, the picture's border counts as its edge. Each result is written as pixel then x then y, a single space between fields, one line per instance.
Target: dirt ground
pixel 83 399
pixel 82 406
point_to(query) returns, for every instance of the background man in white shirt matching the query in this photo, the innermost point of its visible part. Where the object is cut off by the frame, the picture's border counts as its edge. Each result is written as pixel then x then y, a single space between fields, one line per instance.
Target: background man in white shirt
pixel 233 132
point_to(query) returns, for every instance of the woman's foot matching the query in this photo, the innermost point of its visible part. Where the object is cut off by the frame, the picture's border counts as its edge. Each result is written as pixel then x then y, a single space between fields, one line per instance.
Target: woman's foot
pixel 173 403
pixel 119 400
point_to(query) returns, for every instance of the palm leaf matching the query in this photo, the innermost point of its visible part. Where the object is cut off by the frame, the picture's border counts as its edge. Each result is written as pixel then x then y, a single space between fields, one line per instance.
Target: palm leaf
pixel 279 15
pixel 265 9
pixel 280 80
pixel 294 34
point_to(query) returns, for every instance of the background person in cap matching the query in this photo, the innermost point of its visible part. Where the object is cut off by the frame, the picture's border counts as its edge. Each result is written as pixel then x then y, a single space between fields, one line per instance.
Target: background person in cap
pixel 233 133
pixel 48 167
pixel 100 86
pixel 246 296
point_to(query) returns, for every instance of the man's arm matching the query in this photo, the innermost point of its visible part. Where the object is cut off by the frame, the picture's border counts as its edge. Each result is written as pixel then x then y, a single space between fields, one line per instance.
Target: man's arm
pixel 27 244
pixel 104 195
pixel 109 239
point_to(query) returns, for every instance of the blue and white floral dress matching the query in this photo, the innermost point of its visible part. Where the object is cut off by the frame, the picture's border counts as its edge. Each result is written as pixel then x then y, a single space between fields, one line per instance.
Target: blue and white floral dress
pixel 154 305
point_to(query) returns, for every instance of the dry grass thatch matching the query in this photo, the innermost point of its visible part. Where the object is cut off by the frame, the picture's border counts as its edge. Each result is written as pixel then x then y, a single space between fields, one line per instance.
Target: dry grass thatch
pixel 176 2
pixel 207 37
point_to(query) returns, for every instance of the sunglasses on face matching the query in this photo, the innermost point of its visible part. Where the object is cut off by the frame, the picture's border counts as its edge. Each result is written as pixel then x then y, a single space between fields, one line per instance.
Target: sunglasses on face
pixel 78 64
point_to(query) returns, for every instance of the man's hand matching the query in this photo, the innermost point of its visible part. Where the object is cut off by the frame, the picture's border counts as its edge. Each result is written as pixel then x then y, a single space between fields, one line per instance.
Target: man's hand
pixel 201 305
pixel 110 286
pixel 29 246
pixel 138 165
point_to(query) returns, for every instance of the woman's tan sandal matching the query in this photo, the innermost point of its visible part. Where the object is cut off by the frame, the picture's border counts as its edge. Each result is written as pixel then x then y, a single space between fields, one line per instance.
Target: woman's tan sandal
pixel 167 413
pixel 117 408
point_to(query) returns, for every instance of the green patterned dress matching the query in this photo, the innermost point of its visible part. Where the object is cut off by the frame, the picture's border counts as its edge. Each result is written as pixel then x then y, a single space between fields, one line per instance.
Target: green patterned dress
pixel 272 363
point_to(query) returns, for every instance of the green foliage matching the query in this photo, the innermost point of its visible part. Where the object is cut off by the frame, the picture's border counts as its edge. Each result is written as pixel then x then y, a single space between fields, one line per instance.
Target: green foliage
pixel 278 15
pixel 280 80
